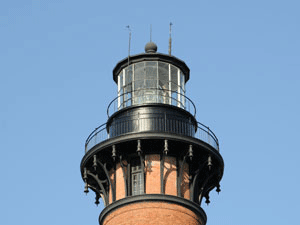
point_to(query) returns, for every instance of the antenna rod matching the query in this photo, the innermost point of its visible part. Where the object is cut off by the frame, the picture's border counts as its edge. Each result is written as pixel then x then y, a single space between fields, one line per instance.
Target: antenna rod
pixel 170 38
pixel 129 42
pixel 150 32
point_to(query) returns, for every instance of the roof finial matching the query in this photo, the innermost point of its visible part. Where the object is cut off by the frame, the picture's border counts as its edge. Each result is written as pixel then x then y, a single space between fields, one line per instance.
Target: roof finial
pixel 150 47
pixel 170 38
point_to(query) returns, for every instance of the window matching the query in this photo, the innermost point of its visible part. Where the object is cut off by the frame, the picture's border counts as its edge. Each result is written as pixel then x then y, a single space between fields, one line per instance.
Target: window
pixel 137 185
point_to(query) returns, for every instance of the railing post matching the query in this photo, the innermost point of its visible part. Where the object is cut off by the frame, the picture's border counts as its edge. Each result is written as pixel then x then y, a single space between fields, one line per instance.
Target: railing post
pixel 139 125
pixel 108 133
pixel 165 122
pixel 208 135
pixel 95 138
pixel 190 127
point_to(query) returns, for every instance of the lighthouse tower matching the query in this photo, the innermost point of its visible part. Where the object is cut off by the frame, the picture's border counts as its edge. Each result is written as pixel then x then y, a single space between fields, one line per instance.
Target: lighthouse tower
pixel 152 162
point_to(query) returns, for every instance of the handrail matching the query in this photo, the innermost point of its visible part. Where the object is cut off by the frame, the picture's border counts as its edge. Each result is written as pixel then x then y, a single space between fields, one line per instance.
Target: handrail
pixel 159 97
pixel 93 135
pixel 97 128
pixel 100 134
pixel 210 133
pixel 171 82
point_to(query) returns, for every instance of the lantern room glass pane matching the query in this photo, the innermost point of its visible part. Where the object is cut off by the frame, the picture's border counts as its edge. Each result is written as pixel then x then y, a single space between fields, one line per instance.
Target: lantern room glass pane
pixel 139 71
pixel 163 76
pixel 151 71
pixel 120 82
pixel 128 76
pixel 182 86
pixel 182 82
pixel 151 82
pixel 174 78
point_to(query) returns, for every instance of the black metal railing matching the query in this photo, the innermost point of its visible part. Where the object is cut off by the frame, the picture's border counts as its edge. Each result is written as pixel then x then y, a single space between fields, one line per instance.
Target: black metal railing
pixel 152 122
pixel 150 96
pixel 168 125
pixel 97 136
pixel 205 134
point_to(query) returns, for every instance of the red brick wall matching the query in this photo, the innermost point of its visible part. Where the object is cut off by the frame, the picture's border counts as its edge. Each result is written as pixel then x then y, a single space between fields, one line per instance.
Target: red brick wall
pixel 152 213
pixel 112 178
pixel 185 183
pixel 152 170
pixel 152 177
pixel 120 184
pixel 170 175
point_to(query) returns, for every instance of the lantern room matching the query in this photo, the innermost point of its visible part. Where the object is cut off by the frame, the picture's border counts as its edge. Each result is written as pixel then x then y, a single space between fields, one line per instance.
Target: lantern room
pixel 150 78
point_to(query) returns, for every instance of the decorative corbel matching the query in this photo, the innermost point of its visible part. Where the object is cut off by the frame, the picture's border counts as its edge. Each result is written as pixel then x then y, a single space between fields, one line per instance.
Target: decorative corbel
pixel 162 166
pixel 103 166
pixel 139 152
pixel 100 184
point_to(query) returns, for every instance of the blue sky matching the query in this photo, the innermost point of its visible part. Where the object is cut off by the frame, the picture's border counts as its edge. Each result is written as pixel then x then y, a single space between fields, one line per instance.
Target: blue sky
pixel 56 61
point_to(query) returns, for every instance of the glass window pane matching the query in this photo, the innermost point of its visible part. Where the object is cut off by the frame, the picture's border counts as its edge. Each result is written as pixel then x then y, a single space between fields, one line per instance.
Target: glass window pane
pixel 121 80
pixel 151 70
pixel 151 84
pixel 128 71
pixel 174 78
pixel 139 71
pixel 137 186
pixel 128 88
pixel 182 81
pixel 163 73
pixel 139 84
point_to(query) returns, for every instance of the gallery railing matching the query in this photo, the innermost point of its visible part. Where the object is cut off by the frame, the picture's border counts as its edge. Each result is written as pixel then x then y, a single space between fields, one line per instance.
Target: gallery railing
pixel 151 96
pixel 202 133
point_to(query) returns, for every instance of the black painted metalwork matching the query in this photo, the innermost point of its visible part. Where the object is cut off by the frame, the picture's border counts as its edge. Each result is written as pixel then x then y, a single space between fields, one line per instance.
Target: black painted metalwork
pixel 97 194
pixel 86 187
pixel 203 189
pixel 218 190
pixel 115 180
pixel 209 162
pixel 101 189
pixel 151 57
pixel 114 152
pixel 195 180
pixel 162 166
pixel 103 166
pixel 191 152
pixel 178 163
pixel 166 148
pixel 125 126
pixel 142 160
pixel 152 118
pixel 207 201
pixel 181 166
pixel 95 162
pixel 97 198
pixel 128 175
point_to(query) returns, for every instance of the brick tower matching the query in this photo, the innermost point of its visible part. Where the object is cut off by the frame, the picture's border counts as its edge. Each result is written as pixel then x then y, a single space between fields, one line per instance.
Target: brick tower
pixel 152 162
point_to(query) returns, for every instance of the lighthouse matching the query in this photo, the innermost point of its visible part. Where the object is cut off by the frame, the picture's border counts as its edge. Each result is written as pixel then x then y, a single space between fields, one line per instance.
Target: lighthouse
pixel 152 162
